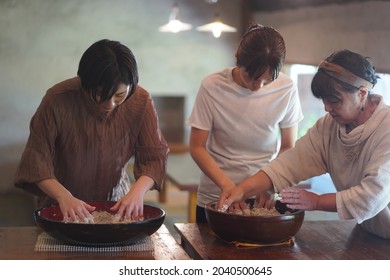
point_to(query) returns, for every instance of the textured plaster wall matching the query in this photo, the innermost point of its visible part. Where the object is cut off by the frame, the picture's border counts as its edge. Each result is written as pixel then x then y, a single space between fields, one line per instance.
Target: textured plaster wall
pixel 41 42
pixel 311 34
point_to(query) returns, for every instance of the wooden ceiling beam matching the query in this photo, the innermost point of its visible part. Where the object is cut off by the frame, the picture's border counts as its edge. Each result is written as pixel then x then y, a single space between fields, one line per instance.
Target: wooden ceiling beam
pixel 277 5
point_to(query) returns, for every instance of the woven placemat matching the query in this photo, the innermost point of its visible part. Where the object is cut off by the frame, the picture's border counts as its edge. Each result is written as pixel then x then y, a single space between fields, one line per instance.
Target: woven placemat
pixel 46 243
pixel 288 242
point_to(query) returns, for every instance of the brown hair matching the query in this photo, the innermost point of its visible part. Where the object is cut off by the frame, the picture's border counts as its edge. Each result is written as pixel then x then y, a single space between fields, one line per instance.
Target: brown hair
pixel 107 64
pixel 261 48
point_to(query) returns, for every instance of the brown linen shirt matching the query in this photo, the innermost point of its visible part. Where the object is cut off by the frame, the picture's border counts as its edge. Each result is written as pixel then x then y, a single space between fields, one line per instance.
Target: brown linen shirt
pixel 88 151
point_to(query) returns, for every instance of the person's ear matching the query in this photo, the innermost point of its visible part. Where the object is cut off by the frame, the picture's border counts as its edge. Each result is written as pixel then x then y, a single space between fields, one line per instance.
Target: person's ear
pixel 363 92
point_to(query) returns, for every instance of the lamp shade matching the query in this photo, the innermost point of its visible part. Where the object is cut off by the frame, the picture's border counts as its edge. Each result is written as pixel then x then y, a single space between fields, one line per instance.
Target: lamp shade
pixel 216 27
pixel 174 25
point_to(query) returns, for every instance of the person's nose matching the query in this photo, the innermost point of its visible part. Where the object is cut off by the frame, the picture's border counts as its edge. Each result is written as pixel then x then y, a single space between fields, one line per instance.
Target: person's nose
pixel 327 107
pixel 110 104
pixel 257 85
pixel 115 101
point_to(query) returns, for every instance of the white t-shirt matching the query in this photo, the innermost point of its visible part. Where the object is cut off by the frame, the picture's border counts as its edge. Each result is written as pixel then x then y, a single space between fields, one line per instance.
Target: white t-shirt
pixel 244 126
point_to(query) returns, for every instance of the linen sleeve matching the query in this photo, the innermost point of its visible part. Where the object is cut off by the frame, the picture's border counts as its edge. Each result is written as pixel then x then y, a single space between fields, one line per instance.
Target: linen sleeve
pixel 372 194
pixel 305 160
pixel 36 163
pixel 151 151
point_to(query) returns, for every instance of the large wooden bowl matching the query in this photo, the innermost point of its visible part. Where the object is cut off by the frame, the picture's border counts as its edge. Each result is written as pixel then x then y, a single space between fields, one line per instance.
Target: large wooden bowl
pixel 50 219
pixel 253 229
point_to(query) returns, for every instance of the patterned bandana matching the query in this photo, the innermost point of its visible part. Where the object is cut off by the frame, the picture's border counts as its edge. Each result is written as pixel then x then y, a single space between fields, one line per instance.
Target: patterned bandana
pixel 342 74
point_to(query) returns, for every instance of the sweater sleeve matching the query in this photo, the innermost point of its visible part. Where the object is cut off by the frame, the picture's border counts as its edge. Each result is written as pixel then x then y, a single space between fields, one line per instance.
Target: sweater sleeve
pixel 305 160
pixel 151 149
pixel 372 194
pixel 36 163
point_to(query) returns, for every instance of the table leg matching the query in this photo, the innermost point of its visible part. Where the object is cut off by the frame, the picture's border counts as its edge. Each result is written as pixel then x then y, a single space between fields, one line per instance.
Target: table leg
pixel 192 199
pixel 162 195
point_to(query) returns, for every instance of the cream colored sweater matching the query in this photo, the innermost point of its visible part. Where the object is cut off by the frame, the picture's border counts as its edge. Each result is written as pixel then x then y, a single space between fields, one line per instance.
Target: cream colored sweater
pixel 358 163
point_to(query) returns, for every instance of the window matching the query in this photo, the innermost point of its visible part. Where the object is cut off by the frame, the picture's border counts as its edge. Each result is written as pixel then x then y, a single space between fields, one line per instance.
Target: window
pixel 312 107
pixel 383 87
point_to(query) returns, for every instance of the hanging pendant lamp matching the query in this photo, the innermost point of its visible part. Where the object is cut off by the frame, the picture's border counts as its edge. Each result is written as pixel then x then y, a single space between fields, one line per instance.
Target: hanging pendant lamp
pixel 216 27
pixel 174 25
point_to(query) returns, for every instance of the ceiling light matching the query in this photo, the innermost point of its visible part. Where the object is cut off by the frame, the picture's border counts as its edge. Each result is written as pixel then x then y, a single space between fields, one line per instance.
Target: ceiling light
pixel 174 25
pixel 216 27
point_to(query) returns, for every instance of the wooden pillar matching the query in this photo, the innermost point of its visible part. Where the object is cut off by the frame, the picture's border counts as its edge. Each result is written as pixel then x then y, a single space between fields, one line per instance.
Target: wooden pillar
pixel 246 15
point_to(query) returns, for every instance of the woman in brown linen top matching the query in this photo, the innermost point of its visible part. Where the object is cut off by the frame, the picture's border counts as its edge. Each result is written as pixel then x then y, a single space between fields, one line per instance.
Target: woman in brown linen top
pixel 85 131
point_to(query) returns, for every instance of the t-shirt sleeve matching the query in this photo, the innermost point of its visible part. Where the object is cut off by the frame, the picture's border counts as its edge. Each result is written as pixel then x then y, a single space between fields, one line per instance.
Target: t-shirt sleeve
pixel 294 111
pixel 202 114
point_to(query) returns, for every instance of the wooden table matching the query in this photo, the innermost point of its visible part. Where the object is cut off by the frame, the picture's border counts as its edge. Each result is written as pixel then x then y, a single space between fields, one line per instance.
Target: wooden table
pixel 17 243
pixel 318 240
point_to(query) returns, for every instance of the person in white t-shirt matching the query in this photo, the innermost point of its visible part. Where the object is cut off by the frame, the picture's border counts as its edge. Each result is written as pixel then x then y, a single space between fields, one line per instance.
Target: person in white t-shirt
pixel 243 116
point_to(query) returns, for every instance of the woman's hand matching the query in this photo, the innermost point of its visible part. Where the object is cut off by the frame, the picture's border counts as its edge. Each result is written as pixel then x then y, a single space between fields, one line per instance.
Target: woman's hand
pixel 298 198
pixel 229 197
pixel 75 210
pixel 265 200
pixel 237 206
pixel 131 206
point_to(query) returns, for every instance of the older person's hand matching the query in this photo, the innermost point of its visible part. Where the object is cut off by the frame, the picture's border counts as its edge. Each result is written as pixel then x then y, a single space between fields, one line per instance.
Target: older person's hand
pixel 298 198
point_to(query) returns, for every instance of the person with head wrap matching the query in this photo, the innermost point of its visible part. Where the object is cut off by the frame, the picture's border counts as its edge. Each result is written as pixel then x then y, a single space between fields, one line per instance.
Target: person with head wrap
pixel 351 143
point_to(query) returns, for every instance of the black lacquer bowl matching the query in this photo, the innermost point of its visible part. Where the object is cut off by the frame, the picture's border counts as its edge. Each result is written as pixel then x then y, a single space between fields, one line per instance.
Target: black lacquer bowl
pixel 253 229
pixel 50 219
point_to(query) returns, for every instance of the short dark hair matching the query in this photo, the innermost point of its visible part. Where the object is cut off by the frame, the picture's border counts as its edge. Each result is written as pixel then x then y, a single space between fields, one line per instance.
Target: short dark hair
pixel 105 65
pixel 323 86
pixel 261 48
